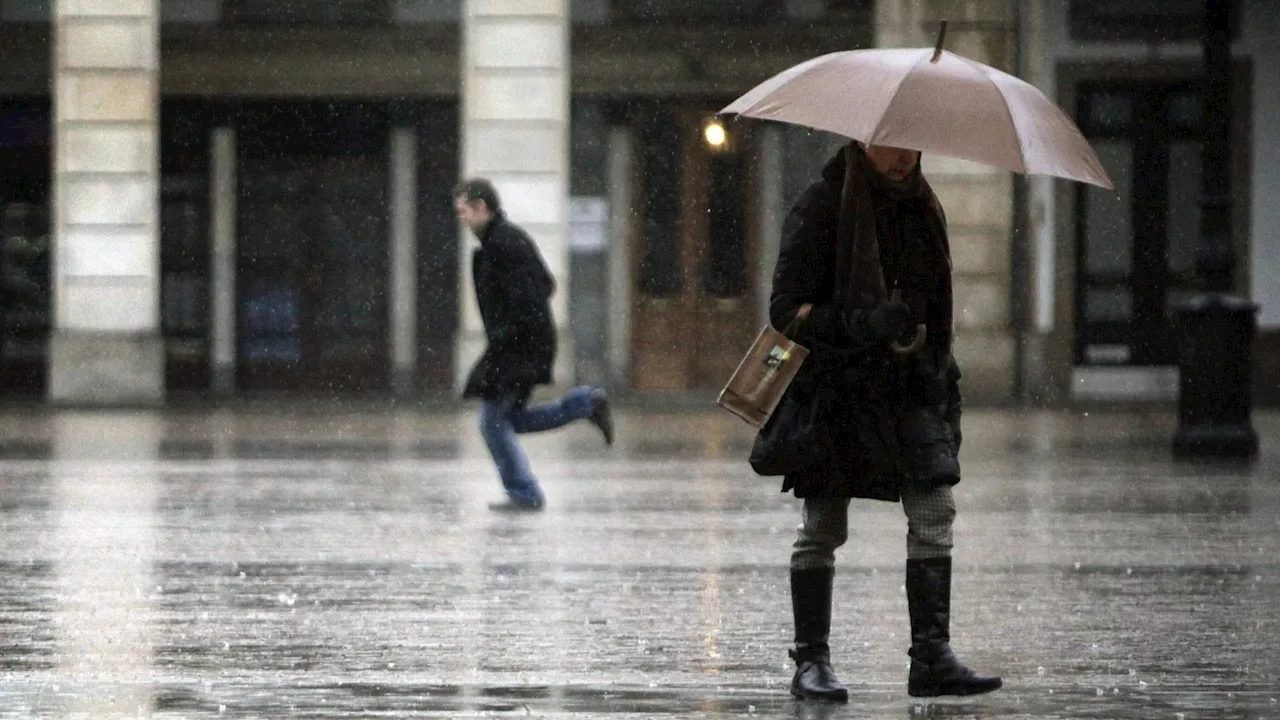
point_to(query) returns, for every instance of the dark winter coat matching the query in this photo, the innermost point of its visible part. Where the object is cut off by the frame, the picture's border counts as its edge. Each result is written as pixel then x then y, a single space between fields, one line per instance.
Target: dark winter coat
pixel 860 385
pixel 513 290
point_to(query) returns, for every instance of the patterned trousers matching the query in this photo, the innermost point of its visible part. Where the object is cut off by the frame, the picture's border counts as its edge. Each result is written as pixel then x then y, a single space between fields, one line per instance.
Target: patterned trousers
pixel 930 514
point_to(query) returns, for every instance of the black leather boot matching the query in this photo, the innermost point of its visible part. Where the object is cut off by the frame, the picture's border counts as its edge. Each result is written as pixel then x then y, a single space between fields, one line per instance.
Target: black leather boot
pixel 930 444
pixel 811 606
pixel 934 668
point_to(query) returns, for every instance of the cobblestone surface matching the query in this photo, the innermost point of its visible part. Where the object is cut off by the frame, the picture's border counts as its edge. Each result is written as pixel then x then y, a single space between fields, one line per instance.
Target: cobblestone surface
pixel 343 564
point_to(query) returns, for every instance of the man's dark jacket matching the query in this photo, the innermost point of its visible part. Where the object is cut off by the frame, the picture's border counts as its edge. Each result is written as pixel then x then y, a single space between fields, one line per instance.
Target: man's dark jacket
pixel 860 386
pixel 513 290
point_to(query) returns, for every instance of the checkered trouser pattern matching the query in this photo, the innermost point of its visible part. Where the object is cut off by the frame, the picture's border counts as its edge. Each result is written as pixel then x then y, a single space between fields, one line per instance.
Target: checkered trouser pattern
pixel 930 515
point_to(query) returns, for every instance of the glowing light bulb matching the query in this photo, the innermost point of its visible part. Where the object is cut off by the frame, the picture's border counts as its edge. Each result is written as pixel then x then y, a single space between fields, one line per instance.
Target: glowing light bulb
pixel 715 134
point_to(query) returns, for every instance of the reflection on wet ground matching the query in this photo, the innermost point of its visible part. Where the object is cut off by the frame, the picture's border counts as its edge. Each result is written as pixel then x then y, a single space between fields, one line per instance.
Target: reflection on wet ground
pixel 327 565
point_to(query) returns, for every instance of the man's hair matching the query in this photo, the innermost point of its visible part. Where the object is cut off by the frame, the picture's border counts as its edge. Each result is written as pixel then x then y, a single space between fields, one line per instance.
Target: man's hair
pixel 479 189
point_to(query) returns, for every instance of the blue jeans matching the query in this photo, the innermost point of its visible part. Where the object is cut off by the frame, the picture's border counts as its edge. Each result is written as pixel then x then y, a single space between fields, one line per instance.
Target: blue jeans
pixel 502 419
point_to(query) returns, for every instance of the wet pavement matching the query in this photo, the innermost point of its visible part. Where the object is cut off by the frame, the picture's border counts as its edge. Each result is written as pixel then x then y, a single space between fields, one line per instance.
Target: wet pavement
pixel 324 564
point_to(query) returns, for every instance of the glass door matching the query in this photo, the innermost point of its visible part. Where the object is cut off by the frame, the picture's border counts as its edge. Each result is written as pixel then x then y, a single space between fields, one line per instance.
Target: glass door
pixel 312 275
pixel 1135 247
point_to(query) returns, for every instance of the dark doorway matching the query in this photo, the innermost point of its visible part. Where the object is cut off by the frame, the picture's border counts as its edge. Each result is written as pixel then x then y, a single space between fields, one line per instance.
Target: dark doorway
pixel 185 126
pixel 1135 247
pixel 312 267
pixel 693 299
pixel 438 265
pixel 25 248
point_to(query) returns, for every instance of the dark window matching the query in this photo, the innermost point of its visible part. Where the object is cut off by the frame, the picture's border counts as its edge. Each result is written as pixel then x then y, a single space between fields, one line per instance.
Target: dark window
pixel 437 242
pixel 184 220
pixel 25 257
pixel 1136 245
pixel 725 269
pixel 24 269
pixel 860 9
pixel 184 255
pixel 1184 110
pixel 312 244
pixel 1147 20
pixel 190 12
pixel 271 265
pixel 661 268
pixel 307 12
pixel 272 131
pixel 664 11
pixel 26 11
pixel 1107 112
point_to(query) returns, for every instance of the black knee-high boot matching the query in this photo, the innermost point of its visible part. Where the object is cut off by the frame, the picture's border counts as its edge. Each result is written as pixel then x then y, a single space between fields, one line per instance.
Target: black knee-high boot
pixel 811 606
pixel 934 668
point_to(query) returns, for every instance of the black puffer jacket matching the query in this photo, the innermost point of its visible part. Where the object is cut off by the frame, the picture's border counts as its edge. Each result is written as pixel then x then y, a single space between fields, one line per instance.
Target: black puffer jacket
pixel 513 290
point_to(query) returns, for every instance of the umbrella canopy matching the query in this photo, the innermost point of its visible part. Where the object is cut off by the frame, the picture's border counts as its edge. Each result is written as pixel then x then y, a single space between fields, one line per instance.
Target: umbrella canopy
pixel 928 100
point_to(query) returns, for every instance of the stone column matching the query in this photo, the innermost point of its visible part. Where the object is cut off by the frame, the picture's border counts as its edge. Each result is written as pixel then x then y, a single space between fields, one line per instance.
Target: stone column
pixel 222 263
pixel 773 209
pixel 404 260
pixel 515 131
pixel 977 198
pixel 621 219
pixel 106 346
pixel 1038 362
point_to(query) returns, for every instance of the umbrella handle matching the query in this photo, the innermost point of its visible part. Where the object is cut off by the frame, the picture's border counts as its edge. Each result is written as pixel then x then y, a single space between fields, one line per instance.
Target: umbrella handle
pixel 916 344
pixel 921 332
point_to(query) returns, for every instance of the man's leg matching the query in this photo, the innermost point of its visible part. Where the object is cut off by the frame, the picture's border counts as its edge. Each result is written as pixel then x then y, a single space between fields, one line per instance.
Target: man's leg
pixel 513 465
pixel 931 512
pixel 813 559
pixel 580 403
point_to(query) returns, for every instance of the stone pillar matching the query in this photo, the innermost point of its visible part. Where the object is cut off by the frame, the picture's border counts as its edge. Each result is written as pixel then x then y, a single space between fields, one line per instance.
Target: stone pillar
pixel 1038 362
pixel 222 263
pixel 106 346
pixel 977 198
pixel 404 260
pixel 773 209
pixel 515 131
pixel 621 227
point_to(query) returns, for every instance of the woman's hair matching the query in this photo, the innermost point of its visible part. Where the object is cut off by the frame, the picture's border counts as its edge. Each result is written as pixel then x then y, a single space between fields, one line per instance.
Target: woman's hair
pixel 479 189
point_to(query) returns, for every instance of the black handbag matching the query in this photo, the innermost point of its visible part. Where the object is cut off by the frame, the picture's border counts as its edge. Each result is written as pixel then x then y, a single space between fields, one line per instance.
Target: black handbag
pixel 793 440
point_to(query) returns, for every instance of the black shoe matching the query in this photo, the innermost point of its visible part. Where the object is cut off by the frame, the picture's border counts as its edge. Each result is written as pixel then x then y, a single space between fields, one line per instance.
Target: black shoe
pixel 601 416
pixel 934 668
pixel 811 608
pixel 515 506
pixel 931 447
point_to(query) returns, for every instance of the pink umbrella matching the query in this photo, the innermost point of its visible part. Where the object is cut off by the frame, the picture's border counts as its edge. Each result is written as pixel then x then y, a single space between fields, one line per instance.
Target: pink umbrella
pixel 928 100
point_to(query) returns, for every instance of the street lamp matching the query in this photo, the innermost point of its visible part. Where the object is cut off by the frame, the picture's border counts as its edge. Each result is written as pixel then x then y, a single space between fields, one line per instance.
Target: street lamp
pixel 1214 326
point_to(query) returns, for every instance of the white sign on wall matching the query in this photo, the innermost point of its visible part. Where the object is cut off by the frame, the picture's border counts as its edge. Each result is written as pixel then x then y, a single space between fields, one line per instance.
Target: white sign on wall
pixel 588 224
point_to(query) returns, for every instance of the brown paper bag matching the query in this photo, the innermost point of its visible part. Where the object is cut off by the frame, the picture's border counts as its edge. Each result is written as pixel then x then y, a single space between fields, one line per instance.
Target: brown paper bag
pixel 755 388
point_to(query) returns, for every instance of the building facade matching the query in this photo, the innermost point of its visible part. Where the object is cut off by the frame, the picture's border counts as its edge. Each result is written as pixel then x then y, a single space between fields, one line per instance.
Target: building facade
pixel 228 197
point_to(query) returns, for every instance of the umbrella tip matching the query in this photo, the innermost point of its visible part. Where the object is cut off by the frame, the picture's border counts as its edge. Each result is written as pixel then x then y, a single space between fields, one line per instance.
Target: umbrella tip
pixel 942 37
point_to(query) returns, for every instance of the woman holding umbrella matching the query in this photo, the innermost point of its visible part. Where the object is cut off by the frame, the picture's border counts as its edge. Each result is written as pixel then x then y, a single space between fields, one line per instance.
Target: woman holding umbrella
pixel 866 248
